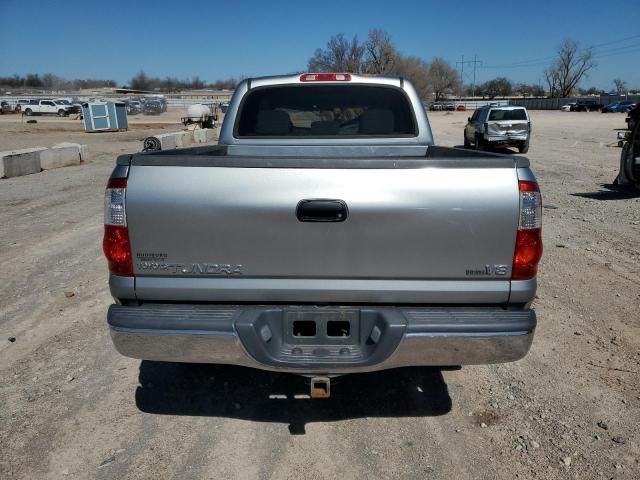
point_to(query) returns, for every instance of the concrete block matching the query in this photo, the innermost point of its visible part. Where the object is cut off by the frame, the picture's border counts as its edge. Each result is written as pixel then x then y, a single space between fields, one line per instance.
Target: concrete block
pixel 167 141
pixel 204 135
pixel 58 156
pixel 82 148
pixel 187 138
pixel 15 163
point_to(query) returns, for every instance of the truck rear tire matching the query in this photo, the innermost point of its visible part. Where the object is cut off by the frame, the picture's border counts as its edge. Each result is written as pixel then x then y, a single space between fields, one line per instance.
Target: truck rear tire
pixel 524 147
pixel 62 113
pixel 467 143
pixel 28 112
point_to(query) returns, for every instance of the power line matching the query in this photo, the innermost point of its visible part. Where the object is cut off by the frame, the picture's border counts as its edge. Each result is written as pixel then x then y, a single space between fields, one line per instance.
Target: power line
pixel 537 62
pixel 614 41
pixel 475 63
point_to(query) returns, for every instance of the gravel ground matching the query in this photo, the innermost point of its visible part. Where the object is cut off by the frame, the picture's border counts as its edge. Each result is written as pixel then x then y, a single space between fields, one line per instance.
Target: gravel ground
pixel 71 407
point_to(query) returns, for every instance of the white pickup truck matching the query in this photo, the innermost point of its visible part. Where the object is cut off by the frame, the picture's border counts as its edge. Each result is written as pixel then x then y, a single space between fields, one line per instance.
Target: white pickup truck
pixel 53 107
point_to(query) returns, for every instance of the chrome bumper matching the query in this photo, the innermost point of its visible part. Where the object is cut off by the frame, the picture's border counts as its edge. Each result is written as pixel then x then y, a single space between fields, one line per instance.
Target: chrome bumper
pixel 506 138
pixel 235 335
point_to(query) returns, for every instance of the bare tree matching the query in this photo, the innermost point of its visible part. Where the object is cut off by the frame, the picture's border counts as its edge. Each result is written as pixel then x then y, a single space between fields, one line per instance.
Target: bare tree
pixel 140 81
pixel 381 57
pixel 340 55
pixel 416 71
pixel 621 86
pixel 443 78
pixel 569 68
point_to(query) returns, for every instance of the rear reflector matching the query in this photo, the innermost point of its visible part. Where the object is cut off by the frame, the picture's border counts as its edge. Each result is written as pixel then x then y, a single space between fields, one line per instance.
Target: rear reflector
pixel 325 77
pixel 115 243
pixel 528 251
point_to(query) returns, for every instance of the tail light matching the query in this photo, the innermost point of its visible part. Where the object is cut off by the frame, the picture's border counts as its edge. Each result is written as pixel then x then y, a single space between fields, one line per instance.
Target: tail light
pixel 325 77
pixel 528 249
pixel 115 243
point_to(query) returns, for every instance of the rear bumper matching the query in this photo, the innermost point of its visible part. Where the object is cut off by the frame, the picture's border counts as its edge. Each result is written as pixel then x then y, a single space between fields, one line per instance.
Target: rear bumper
pixel 506 138
pixel 379 337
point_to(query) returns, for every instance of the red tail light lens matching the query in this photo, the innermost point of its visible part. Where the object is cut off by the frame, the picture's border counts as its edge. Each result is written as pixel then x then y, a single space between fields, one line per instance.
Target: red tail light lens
pixel 528 251
pixel 118 250
pixel 325 77
pixel 527 254
pixel 115 243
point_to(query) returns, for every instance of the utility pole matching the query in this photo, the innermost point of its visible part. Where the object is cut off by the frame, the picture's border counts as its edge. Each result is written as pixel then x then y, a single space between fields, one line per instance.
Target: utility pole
pixel 475 63
pixel 461 63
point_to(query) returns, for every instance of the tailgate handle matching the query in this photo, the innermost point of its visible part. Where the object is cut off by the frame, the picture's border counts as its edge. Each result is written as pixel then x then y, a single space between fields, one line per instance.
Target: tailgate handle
pixel 322 210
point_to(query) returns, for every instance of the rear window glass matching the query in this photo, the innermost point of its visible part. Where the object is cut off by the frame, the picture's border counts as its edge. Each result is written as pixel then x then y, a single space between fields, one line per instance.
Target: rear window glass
pixel 326 111
pixel 513 114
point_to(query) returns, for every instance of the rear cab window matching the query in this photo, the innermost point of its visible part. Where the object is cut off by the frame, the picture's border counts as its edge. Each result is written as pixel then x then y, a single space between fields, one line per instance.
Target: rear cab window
pixel 508 114
pixel 326 111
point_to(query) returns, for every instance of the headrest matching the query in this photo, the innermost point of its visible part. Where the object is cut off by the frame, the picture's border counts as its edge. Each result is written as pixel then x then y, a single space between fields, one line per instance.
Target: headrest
pixel 273 122
pixel 377 121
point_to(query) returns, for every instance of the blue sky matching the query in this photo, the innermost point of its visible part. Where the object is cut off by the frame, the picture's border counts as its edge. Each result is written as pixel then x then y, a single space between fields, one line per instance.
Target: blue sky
pixel 215 40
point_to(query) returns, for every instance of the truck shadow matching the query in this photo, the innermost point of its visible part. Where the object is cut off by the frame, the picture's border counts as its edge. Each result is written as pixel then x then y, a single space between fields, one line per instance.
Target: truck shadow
pixel 611 192
pixel 237 392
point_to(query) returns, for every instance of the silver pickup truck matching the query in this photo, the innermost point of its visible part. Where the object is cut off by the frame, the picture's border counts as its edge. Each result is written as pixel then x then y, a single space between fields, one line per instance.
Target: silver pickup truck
pixel 326 234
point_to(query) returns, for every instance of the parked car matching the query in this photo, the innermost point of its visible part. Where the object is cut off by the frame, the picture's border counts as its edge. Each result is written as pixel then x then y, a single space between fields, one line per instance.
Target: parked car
pixel 436 107
pixel 450 107
pixel 568 107
pixel 461 108
pixel 20 105
pixel 44 107
pixel 152 107
pixel 5 108
pixel 134 107
pixel 492 126
pixel 587 106
pixel 267 250
pixel 73 107
pixel 623 107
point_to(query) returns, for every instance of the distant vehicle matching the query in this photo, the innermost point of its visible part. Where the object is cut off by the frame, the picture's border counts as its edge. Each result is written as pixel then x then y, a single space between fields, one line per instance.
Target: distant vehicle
pixel 498 126
pixel 450 107
pixel 73 107
pixel 623 107
pixel 153 107
pixel 133 107
pixel 461 108
pixel 5 108
pixel 587 106
pixel 20 105
pixel 568 107
pixel 42 107
pixel 156 98
pixel 436 107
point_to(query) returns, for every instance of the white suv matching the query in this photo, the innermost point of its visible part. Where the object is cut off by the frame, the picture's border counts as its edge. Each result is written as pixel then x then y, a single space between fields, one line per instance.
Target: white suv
pixel 491 126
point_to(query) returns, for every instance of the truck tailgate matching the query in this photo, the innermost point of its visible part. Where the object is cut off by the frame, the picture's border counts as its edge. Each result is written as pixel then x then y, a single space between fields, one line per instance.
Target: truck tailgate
pixel 415 235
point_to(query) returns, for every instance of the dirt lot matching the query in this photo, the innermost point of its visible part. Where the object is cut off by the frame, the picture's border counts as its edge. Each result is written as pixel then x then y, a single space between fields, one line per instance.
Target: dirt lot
pixel 71 407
